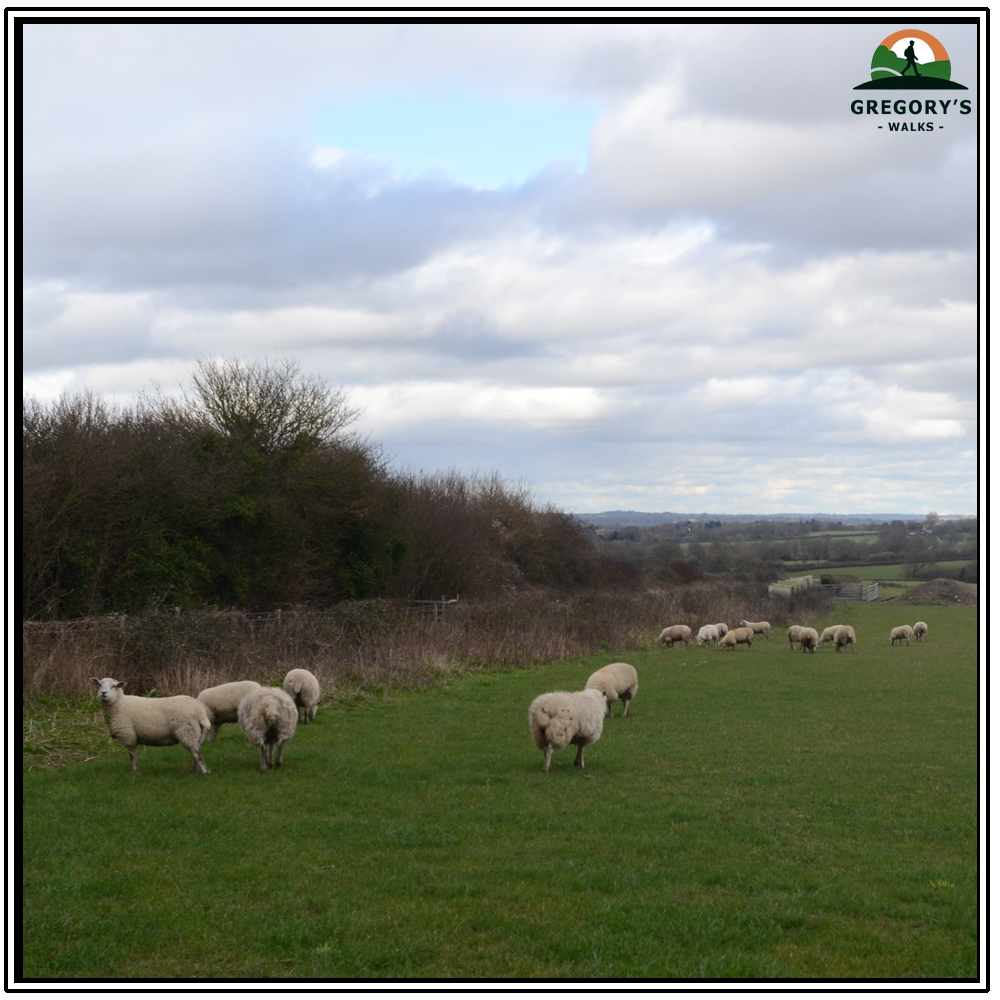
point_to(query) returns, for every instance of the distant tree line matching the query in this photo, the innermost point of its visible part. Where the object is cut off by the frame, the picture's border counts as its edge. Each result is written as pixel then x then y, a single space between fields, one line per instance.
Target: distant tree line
pixel 252 491
pixel 686 550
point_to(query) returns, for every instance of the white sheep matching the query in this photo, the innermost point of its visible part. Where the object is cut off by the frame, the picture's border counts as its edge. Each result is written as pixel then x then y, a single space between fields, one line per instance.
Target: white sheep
pixel 560 718
pixel 304 690
pixel 268 717
pixel 616 680
pixel 760 628
pixel 706 634
pixel 795 634
pixel 844 636
pixel 809 640
pixel 152 722
pixel 920 631
pixel 828 634
pixel 722 627
pixel 675 633
pixel 222 702
pixel 737 636
pixel 899 634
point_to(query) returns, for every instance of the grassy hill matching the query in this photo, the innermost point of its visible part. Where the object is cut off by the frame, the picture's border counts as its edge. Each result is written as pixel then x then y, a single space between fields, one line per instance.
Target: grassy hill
pixel 763 814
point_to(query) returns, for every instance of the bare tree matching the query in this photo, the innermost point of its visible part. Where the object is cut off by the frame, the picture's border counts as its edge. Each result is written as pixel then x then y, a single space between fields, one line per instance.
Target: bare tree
pixel 269 404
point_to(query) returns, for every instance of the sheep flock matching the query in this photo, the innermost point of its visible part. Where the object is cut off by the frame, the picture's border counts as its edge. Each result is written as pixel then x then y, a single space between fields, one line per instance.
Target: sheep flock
pixel 269 716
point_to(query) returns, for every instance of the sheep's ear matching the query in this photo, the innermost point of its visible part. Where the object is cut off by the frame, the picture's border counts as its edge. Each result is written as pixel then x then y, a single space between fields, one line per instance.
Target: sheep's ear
pixel 120 684
pixel 95 682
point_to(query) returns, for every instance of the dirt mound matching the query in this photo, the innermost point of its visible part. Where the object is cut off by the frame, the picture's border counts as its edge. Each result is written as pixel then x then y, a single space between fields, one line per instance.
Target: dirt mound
pixel 939 591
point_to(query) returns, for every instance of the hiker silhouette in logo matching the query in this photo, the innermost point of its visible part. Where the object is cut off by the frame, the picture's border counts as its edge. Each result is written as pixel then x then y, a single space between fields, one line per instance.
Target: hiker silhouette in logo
pixel 911 59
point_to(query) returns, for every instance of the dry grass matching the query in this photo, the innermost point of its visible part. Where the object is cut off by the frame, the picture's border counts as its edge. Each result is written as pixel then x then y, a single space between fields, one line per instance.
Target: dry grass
pixel 57 731
pixel 364 647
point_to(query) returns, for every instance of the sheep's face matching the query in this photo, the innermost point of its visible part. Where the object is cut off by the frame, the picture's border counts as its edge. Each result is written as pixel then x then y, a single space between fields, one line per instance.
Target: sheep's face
pixel 108 690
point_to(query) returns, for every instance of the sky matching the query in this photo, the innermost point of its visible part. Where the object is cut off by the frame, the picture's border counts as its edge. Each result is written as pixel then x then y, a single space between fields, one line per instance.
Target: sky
pixel 635 266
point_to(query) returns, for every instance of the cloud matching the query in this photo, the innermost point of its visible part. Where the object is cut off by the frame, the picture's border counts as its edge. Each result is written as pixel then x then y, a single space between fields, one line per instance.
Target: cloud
pixel 750 299
pixel 649 154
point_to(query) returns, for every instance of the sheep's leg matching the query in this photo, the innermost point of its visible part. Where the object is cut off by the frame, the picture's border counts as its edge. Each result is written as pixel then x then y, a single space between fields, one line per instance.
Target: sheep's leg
pixel 625 702
pixel 132 754
pixel 277 758
pixel 579 757
pixel 548 760
pixel 263 758
pixel 197 761
pixel 213 732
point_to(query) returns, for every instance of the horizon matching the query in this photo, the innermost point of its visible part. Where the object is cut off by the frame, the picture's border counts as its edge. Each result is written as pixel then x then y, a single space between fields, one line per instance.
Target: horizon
pixel 785 515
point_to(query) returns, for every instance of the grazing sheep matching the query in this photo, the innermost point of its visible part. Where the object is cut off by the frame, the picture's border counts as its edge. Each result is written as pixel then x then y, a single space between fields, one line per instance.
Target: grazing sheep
pixel 809 639
pixel 722 627
pixel 560 718
pixel 828 634
pixel 706 634
pixel 222 701
pixel 675 633
pixel 920 631
pixel 844 636
pixel 737 636
pixel 899 634
pixel 760 628
pixel 304 690
pixel 795 634
pixel 268 717
pixel 616 680
pixel 152 722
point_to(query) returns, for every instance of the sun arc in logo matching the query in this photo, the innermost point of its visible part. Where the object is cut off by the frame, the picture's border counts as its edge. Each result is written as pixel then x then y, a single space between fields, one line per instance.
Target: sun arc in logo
pixel 910 59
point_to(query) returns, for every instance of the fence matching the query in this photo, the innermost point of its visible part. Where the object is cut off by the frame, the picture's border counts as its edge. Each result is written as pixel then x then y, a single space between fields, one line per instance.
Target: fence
pixel 429 609
pixel 852 591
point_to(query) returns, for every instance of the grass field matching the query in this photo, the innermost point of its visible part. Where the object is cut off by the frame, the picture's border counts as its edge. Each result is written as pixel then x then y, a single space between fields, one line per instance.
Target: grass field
pixel 870 537
pixel 870 573
pixel 763 814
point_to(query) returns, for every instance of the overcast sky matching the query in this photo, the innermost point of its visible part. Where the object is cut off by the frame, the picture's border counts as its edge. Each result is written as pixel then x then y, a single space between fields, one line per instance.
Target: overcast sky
pixel 638 266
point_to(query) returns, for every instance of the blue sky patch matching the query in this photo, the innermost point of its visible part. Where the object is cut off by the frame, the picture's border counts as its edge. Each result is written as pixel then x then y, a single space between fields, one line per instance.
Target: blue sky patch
pixel 480 140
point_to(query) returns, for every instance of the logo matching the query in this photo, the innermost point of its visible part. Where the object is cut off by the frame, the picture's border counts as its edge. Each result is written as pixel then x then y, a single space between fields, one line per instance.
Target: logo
pixel 910 60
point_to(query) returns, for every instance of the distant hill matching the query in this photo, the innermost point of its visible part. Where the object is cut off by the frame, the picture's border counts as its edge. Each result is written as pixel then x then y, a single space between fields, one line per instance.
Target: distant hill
pixel 640 518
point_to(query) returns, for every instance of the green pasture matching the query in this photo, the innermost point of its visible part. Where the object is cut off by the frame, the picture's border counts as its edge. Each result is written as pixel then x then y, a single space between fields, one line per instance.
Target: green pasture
pixel 761 814
pixel 869 573
pixel 870 537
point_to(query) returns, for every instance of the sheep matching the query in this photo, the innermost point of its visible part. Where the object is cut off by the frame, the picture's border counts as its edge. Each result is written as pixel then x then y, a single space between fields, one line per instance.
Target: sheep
pixel 616 680
pixel 828 634
pixel 268 717
pixel 706 634
pixel 920 631
pixel 844 636
pixel 722 627
pixel 304 690
pixel 760 628
pixel 153 722
pixel 222 701
pixel 809 639
pixel 795 634
pixel 899 634
pixel 560 718
pixel 736 636
pixel 675 633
